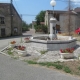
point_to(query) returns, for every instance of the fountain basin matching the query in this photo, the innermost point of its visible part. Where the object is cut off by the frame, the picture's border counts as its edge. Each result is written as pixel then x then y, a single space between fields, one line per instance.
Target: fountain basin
pixel 52 45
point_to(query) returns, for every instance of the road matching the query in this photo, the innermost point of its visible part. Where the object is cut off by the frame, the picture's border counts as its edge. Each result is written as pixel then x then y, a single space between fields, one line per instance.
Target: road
pixel 12 69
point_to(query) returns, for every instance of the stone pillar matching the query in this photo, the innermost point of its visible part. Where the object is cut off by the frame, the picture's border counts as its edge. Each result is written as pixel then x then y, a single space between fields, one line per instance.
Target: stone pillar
pixel 52 34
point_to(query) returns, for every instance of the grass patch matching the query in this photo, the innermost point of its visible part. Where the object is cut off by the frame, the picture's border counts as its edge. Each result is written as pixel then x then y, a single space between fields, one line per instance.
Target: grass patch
pixel 79 68
pixel 31 62
pixel 67 69
pixel 46 64
pixel 58 66
pixel 43 52
pixel 72 67
pixel 10 51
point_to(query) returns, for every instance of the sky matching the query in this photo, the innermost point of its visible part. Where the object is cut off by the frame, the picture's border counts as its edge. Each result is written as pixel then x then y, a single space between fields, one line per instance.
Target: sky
pixel 30 8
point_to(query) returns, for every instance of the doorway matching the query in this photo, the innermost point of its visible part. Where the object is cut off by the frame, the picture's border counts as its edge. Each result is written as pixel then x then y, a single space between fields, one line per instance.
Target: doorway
pixel 2 32
pixel 57 28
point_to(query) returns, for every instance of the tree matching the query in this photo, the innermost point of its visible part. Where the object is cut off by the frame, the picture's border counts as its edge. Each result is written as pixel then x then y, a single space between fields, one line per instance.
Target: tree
pixel 25 26
pixel 41 28
pixel 40 17
pixel 30 25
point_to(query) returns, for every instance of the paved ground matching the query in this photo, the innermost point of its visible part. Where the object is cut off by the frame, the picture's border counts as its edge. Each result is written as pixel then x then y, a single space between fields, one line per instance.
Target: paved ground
pixel 12 69
pixel 5 41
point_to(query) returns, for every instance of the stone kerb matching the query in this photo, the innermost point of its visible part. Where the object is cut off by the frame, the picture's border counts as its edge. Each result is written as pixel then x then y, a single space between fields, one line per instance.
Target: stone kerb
pixel 54 44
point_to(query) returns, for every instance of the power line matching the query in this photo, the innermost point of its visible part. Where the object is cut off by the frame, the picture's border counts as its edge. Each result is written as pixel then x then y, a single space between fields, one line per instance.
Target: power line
pixel 35 15
pixel 28 14
pixel 67 1
pixel 17 7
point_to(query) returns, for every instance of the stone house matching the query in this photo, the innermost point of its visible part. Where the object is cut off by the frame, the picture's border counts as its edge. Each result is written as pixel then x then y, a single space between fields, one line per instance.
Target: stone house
pixel 63 20
pixel 10 21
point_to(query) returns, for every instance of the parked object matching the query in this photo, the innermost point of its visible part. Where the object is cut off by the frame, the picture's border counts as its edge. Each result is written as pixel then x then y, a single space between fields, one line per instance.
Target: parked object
pixel 77 31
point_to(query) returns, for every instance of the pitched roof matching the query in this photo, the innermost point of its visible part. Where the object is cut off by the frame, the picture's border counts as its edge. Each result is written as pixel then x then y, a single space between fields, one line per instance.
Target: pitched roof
pixel 56 11
pixel 60 12
pixel 77 9
pixel 8 4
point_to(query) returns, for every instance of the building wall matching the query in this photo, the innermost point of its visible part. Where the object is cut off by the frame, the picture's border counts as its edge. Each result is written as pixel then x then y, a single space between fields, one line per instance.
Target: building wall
pixel 64 23
pixel 5 11
pixel 47 20
pixel 17 22
pixel 78 20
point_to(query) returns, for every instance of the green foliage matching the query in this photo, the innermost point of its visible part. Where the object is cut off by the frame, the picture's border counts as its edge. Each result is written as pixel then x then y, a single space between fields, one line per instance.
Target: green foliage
pixel 45 28
pixel 48 64
pixel 56 65
pixel 67 69
pixel 43 52
pixel 42 64
pixel 41 28
pixel 25 26
pixel 40 17
pixel 79 68
pixel 59 66
pixel 9 51
pixel 30 25
pixel 31 62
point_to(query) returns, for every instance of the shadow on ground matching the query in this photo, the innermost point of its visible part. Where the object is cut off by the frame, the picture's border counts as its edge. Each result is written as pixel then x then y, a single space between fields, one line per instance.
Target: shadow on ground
pixel 15 37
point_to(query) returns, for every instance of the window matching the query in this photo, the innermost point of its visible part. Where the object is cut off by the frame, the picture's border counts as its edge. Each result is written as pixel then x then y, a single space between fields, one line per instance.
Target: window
pixel 15 30
pixel 2 20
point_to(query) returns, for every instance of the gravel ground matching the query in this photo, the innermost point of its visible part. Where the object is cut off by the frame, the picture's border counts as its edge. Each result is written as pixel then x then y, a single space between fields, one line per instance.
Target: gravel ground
pixel 50 56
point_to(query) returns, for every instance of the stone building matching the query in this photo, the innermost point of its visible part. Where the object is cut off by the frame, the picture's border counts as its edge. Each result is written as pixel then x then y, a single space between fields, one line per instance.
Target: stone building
pixel 63 20
pixel 10 21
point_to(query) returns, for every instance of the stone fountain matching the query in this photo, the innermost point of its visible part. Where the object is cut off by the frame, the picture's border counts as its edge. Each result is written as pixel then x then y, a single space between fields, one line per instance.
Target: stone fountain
pixel 52 34
pixel 52 42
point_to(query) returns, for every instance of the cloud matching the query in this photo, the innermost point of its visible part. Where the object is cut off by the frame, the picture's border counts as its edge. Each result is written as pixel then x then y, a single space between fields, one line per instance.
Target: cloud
pixel 76 2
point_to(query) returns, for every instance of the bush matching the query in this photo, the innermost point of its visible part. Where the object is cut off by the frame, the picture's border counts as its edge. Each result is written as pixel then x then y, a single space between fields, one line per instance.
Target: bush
pixel 45 29
pixel 41 28
pixel 25 29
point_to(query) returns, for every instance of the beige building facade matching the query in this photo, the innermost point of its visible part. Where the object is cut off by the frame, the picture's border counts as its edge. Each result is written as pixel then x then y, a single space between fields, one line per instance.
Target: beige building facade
pixel 62 17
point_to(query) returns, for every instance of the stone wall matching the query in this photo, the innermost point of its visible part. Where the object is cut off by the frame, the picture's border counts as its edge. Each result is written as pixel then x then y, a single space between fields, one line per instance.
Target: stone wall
pixel 52 45
pixel 64 22
pixel 17 22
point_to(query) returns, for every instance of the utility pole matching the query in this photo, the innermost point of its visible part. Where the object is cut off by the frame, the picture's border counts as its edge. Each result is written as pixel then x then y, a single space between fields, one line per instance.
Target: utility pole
pixel 21 22
pixel 11 16
pixel 69 17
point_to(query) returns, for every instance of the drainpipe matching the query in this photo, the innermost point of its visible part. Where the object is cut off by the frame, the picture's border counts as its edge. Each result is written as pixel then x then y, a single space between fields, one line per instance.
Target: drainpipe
pixel 11 16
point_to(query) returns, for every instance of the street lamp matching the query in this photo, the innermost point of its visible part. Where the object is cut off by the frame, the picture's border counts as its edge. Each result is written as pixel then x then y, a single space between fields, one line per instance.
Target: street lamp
pixel 53 3
pixel 53 20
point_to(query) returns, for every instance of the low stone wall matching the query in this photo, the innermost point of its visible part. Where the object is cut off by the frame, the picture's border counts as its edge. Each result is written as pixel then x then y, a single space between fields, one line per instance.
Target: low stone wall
pixel 52 45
